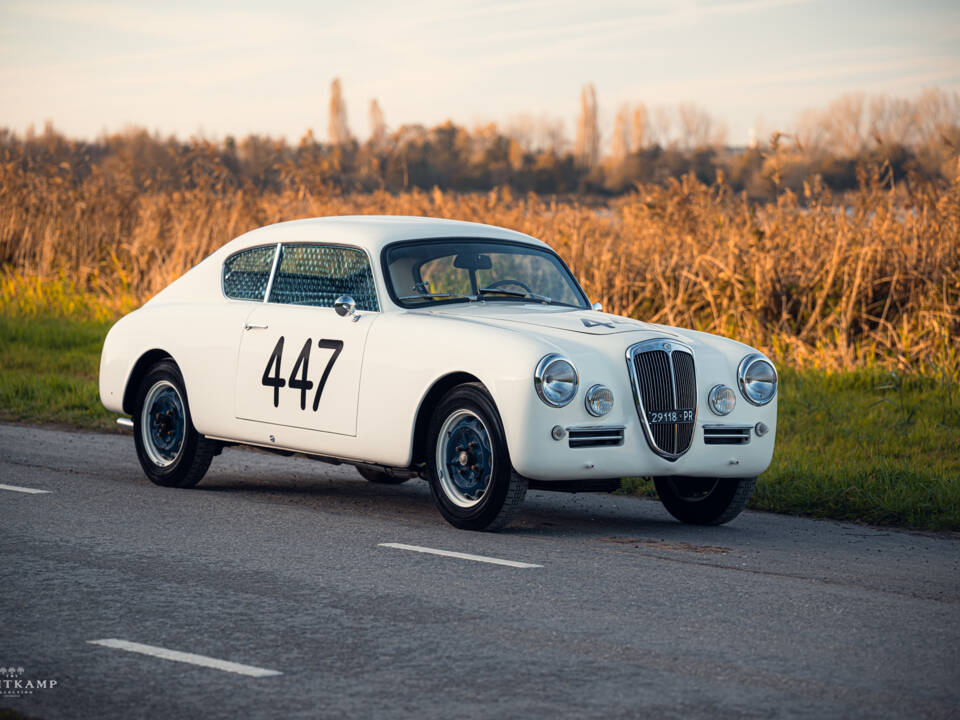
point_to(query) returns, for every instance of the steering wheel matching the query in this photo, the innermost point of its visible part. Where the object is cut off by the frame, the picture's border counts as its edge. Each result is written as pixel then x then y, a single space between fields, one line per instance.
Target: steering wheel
pixel 499 283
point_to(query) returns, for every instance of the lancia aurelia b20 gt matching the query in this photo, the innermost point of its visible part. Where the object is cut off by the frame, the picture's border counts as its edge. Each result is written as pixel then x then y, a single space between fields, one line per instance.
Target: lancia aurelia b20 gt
pixel 463 353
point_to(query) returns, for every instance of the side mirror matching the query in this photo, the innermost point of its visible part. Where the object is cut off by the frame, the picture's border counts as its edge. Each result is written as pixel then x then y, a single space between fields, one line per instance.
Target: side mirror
pixel 597 306
pixel 345 306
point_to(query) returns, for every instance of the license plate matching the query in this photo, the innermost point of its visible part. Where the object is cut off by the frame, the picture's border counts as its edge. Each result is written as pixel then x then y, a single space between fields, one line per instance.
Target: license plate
pixel 671 417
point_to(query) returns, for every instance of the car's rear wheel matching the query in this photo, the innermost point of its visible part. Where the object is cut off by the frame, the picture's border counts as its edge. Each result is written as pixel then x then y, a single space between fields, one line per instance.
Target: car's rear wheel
pixel 171 452
pixel 471 478
pixel 704 501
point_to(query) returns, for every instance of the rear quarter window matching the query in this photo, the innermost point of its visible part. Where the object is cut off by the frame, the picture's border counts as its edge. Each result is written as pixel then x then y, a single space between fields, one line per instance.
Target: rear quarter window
pixel 247 273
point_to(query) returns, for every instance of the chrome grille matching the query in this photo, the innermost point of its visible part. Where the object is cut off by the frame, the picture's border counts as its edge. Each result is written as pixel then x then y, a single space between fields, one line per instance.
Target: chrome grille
pixel 664 380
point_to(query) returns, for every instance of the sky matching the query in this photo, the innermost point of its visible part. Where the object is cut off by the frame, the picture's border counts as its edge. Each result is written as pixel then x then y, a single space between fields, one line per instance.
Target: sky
pixel 212 69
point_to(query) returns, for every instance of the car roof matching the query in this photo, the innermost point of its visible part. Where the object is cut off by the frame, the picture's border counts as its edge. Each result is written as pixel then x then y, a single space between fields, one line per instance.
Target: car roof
pixel 372 232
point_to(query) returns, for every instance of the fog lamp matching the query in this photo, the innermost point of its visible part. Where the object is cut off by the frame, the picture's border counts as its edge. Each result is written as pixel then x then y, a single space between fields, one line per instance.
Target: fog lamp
pixel 722 400
pixel 599 400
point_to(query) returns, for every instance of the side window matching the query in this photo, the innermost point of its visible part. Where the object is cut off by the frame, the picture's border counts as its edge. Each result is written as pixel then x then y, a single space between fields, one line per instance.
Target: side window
pixel 246 274
pixel 319 274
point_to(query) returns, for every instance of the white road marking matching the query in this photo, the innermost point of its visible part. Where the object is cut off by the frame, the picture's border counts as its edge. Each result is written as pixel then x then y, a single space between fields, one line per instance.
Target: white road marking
pixel 462 556
pixel 29 491
pixel 183 657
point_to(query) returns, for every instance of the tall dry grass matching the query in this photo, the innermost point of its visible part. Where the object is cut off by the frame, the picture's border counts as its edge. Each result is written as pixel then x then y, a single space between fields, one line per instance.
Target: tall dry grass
pixel 872 277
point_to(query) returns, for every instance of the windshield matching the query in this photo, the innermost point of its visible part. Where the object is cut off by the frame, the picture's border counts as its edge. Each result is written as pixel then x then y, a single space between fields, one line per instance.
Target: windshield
pixel 429 272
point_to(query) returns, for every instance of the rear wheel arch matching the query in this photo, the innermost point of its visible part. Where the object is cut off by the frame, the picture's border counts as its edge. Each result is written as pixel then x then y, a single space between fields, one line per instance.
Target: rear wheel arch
pixel 140 368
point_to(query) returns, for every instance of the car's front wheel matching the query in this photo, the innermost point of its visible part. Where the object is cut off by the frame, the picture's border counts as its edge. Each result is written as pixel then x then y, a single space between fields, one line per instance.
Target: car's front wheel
pixel 704 501
pixel 471 478
pixel 171 452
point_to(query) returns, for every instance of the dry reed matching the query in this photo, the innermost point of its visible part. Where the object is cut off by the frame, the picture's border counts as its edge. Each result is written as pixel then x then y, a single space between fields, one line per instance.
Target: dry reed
pixel 869 278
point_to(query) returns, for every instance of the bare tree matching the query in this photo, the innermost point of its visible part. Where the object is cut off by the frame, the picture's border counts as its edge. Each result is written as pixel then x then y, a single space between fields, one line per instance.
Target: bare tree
pixel 523 130
pixel 378 127
pixel 893 121
pixel 695 126
pixel 338 132
pixel 810 132
pixel 660 127
pixel 718 134
pixel 534 134
pixel 620 142
pixel 938 115
pixel 587 149
pixel 552 136
pixel 639 129
pixel 844 123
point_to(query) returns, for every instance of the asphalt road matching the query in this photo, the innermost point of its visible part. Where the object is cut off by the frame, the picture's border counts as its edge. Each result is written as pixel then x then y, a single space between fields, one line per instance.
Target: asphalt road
pixel 278 563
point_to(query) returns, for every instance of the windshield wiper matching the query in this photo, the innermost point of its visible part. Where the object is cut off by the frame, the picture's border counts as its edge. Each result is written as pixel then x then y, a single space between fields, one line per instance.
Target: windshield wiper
pixel 515 293
pixel 439 296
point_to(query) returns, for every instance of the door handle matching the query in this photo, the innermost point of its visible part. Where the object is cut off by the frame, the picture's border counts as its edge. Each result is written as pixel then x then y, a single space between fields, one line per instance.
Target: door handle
pixel 248 326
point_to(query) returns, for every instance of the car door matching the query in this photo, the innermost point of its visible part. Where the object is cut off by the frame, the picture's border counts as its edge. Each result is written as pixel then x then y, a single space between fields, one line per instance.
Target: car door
pixel 299 360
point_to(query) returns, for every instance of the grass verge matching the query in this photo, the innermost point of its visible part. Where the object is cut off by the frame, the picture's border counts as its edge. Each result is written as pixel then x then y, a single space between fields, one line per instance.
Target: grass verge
pixel 868 446
pixel 864 445
pixel 48 371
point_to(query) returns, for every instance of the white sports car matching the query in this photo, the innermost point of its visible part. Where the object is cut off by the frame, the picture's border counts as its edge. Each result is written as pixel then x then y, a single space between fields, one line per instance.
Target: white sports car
pixel 462 353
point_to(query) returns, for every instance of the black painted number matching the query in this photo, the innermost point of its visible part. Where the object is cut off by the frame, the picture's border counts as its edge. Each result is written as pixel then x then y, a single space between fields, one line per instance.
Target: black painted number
pixel 275 381
pixel 299 375
pixel 336 346
pixel 300 367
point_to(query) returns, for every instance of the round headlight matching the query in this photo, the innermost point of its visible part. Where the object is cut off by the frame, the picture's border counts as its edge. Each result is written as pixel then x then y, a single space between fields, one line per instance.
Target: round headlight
pixel 758 379
pixel 722 400
pixel 599 400
pixel 556 380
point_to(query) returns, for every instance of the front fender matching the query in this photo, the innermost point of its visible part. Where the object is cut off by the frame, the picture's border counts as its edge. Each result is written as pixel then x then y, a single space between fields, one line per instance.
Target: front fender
pixel 407 354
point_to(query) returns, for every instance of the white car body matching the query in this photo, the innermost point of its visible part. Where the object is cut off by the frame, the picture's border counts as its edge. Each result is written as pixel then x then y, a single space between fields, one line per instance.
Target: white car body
pixel 380 385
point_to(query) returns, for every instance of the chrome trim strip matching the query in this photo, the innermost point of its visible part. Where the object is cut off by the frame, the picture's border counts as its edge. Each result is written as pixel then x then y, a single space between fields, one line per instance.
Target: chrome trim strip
pixel 273 273
pixel 596 428
pixel 668 345
pixel 723 434
pixel 595 436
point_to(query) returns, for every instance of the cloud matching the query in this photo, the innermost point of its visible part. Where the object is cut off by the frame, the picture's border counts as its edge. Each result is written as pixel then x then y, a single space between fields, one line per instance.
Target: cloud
pixel 214 26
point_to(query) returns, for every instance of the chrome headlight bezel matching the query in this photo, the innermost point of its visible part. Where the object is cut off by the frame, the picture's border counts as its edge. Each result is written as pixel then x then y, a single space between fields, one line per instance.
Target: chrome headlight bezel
pixel 590 396
pixel 714 397
pixel 743 381
pixel 541 381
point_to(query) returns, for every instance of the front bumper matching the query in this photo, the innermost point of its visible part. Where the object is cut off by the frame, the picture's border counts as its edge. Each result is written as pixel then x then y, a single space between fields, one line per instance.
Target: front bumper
pixel 543 458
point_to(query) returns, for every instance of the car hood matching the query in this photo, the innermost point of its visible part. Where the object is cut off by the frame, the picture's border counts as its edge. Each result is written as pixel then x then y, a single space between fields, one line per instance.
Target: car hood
pixel 588 322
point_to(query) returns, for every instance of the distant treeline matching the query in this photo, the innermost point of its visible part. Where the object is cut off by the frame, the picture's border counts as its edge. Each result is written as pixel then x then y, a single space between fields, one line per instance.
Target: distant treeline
pixel 917 139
